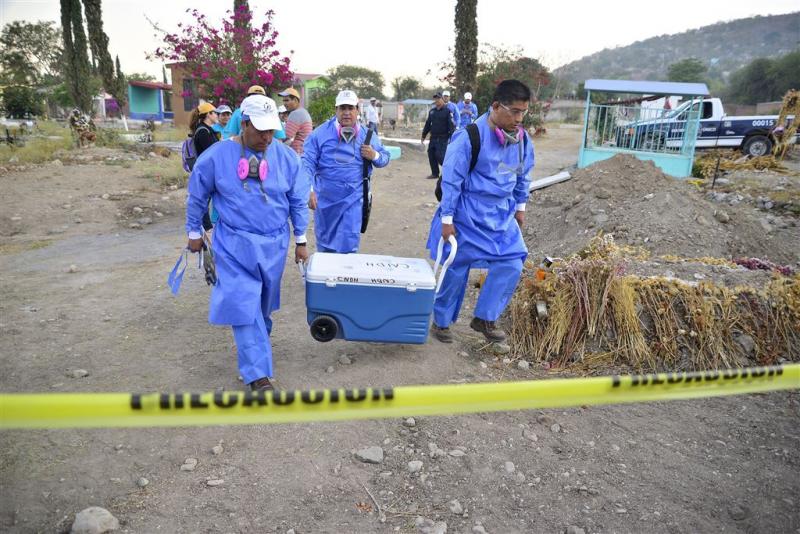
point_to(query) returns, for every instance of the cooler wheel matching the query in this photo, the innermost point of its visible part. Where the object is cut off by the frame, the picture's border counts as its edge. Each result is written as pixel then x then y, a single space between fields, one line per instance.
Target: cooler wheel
pixel 324 328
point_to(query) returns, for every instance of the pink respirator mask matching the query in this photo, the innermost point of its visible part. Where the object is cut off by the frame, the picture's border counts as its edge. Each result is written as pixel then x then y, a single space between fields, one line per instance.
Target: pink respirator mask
pixel 505 138
pixel 252 168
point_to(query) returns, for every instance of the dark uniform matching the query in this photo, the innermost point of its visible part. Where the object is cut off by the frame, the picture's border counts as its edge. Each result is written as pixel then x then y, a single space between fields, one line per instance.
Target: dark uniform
pixel 441 127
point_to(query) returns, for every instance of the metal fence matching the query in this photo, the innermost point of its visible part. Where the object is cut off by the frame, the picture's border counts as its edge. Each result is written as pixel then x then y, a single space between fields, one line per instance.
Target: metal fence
pixel 643 129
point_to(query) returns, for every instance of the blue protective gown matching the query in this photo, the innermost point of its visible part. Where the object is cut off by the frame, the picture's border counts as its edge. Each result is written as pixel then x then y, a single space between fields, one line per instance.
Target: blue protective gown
pixel 336 171
pixel 464 115
pixel 250 241
pixel 454 114
pixel 482 203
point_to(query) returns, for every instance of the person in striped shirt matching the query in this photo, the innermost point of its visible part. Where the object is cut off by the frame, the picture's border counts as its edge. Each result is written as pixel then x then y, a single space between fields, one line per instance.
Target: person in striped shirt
pixel 298 123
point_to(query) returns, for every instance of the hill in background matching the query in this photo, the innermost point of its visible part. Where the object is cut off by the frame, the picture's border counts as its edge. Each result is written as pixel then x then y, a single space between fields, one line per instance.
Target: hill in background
pixel 723 47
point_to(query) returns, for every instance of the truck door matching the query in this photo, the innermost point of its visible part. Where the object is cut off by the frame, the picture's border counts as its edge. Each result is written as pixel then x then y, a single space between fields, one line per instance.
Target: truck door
pixel 708 134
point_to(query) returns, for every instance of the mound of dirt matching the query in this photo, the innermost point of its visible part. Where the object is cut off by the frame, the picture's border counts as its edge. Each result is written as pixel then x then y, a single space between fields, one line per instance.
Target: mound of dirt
pixel 640 205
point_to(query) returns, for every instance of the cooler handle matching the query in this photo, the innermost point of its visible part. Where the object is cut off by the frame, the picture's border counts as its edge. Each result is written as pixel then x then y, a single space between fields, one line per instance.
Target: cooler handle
pixel 448 261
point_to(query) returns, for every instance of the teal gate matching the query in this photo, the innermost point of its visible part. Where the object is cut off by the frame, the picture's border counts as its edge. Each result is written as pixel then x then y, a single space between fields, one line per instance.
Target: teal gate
pixel 614 125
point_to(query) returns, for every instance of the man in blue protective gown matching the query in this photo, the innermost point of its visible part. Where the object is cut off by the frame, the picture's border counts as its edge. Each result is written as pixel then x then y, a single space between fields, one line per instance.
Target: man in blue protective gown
pixel 452 108
pixel 467 110
pixel 333 157
pixel 485 208
pixel 255 203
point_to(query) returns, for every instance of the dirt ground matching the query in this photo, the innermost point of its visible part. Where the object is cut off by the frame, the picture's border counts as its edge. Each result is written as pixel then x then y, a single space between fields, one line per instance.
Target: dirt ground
pixel 85 249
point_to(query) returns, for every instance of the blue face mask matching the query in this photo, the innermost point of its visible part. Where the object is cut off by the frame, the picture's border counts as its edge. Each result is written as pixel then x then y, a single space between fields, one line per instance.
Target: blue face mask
pixel 176 275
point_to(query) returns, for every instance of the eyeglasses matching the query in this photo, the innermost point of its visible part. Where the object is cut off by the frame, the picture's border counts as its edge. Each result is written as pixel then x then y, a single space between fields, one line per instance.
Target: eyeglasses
pixel 515 112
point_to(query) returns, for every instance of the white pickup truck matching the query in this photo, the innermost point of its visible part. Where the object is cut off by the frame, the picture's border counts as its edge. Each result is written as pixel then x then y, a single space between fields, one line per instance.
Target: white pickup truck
pixel 754 135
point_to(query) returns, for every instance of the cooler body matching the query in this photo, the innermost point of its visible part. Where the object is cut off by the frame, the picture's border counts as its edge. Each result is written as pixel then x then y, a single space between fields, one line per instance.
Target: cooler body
pixel 364 297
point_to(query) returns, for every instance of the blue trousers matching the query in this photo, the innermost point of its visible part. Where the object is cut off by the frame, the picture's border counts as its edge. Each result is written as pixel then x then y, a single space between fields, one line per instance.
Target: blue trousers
pixel 254 348
pixel 494 297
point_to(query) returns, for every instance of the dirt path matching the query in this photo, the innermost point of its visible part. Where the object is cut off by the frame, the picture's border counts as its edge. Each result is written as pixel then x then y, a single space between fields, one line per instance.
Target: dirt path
pixel 701 466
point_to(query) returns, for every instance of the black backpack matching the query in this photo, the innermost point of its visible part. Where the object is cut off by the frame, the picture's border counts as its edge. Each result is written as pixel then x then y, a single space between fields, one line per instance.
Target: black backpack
pixel 475 143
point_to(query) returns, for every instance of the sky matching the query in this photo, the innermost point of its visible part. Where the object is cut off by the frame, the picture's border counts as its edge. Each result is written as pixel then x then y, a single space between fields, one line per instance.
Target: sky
pixel 410 38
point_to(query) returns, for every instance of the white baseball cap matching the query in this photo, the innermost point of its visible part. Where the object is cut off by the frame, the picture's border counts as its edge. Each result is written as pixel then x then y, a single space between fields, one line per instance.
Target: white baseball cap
pixel 467 96
pixel 261 111
pixel 346 98
pixel 445 93
pixel 224 109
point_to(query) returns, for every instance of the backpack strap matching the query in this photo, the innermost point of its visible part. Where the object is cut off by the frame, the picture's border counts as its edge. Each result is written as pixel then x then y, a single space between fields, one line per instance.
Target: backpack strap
pixel 475 143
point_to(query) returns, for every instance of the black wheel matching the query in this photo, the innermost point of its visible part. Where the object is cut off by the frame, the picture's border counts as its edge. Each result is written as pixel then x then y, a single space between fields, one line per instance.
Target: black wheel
pixel 757 145
pixel 324 328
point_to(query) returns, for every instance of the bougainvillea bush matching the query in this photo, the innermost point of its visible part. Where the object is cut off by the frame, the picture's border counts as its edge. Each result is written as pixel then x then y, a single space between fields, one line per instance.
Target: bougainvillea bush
pixel 224 62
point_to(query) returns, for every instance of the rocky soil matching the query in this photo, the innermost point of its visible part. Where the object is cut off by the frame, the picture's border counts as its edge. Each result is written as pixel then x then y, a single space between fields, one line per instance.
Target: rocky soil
pixel 84 308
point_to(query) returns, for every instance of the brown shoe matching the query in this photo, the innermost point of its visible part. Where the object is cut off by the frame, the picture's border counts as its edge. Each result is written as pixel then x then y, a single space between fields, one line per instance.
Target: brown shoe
pixel 445 335
pixel 488 329
pixel 262 384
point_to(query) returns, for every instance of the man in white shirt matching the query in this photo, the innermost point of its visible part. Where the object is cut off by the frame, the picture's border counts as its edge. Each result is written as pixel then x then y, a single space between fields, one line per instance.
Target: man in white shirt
pixel 372 115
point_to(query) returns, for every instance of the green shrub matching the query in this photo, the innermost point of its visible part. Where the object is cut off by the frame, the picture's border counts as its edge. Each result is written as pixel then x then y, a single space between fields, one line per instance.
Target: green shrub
pixel 321 109
pixel 109 138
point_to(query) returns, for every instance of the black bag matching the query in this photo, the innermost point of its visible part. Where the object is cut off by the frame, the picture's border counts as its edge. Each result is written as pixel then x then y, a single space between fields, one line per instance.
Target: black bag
pixel 475 143
pixel 366 206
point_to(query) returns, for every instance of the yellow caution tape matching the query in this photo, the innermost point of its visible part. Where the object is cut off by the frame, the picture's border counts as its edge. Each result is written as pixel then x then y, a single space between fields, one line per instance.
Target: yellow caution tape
pixel 101 410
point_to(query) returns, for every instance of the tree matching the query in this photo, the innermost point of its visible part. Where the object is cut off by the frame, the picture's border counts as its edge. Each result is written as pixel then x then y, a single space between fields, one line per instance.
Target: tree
pixel 30 53
pixel 321 108
pixel 689 70
pixel 406 87
pixel 753 83
pixel 99 44
pixel 77 68
pixel 785 74
pixel 20 101
pixel 466 46
pixel 224 62
pixel 243 6
pixel 140 77
pixel 498 64
pixel 365 82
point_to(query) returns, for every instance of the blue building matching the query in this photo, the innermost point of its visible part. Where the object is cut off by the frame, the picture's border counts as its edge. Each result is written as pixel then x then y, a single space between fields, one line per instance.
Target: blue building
pixel 149 100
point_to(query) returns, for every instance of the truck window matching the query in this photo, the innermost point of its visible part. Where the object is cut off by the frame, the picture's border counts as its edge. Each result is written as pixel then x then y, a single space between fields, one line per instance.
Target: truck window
pixel 708 110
